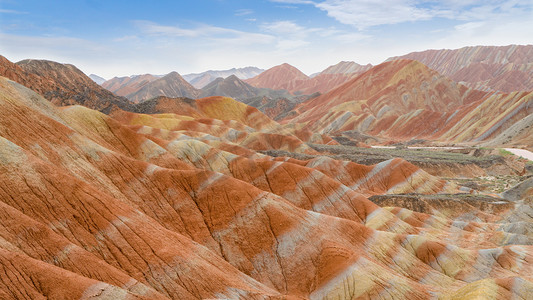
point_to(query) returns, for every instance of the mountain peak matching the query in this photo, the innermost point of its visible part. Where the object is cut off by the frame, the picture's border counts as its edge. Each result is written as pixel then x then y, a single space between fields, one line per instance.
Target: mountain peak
pixel 280 77
pixel 232 77
pixel 171 85
pixel 173 74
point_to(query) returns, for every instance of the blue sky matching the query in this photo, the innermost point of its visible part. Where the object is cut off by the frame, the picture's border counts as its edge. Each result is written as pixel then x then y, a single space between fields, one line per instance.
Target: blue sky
pixel 118 38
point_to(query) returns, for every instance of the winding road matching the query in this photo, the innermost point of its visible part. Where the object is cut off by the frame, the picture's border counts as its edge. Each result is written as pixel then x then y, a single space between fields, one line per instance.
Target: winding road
pixel 521 152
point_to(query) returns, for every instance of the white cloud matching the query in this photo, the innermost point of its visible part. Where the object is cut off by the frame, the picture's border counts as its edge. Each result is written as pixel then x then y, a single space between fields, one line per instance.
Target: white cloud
pixel 469 27
pixel 294 1
pixel 284 45
pixel 157 48
pixel 11 11
pixel 126 38
pixel 283 27
pixel 364 14
pixel 368 13
pixel 20 45
pixel 151 28
pixel 347 38
pixel 289 35
pixel 493 32
pixel 244 12
pixel 203 32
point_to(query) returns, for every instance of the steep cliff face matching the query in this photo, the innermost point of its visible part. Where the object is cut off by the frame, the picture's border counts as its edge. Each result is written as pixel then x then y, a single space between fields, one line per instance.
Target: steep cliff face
pixel 492 68
pixel 179 205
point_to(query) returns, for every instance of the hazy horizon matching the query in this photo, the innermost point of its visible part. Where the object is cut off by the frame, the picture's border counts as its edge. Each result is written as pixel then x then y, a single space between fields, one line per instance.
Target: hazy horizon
pixel 122 38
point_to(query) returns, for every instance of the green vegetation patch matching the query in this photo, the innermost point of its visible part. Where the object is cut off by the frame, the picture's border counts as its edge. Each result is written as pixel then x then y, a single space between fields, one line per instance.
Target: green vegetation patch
pixel 504 152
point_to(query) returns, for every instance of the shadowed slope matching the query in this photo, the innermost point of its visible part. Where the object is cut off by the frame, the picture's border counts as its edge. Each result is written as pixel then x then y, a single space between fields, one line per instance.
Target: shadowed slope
pixel 64 84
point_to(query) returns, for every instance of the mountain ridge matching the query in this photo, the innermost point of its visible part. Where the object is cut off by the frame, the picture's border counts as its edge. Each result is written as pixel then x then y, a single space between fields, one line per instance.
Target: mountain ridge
pixel 506 68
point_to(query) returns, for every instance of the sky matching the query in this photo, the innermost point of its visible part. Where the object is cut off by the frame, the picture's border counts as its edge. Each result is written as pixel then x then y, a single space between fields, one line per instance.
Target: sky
pixel 120 38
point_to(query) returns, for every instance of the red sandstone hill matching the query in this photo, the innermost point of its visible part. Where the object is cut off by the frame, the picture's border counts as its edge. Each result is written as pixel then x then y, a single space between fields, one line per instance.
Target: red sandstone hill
pixel 179 206
pixel 404 99
pixel 282 77
pixel 504 68
pixel 387 91
pixel 293 80
pixel 62 84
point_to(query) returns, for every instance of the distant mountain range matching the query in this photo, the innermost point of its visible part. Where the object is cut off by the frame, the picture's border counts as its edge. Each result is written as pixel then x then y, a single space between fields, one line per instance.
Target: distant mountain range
pixel 97 79
pixel 388 100
pixel 289 78
pixel 133 87
pixel 199 80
